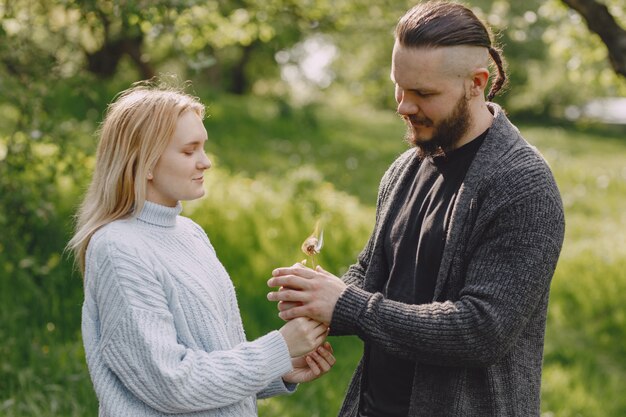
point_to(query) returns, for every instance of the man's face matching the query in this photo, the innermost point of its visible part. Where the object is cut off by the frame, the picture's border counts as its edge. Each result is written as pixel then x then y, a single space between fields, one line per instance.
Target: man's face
pixel 431 99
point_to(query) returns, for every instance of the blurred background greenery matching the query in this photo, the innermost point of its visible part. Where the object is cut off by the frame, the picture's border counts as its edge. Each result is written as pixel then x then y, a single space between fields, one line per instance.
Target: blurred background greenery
pixel 301 126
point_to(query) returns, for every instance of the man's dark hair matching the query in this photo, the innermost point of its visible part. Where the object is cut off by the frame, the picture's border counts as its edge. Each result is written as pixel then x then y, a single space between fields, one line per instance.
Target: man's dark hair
pixel 435 24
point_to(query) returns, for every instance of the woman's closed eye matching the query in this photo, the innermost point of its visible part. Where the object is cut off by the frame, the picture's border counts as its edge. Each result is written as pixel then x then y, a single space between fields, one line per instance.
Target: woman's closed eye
pixel 191 151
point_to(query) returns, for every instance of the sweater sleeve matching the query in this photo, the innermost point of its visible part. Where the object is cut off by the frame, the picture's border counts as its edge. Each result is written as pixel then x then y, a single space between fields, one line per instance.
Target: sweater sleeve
pixel 507 278
pixel 141 348
pixel 277 387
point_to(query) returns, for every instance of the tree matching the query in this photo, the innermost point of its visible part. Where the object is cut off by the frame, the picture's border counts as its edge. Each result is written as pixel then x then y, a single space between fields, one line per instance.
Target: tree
pixel 230 42
pixel 601 21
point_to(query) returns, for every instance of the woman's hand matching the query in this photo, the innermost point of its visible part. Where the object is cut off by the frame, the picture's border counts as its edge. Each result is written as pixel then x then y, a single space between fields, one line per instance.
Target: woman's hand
pixel 312 365
pixel 303 335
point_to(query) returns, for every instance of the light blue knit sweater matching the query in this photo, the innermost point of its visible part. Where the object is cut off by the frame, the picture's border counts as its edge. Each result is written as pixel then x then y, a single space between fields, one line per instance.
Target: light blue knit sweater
pixel 161 325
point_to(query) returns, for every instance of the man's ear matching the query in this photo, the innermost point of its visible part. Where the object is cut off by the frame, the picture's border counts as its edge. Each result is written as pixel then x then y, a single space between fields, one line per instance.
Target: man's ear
pixel 479 79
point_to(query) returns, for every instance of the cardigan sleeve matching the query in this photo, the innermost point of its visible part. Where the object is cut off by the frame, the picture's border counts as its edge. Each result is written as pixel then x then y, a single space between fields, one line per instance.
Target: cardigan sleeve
pixel 141 348
pixel 507 276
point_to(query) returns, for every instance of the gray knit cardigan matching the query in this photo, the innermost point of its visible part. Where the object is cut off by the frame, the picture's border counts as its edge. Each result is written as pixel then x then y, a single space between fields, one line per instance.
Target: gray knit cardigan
pixel 478 347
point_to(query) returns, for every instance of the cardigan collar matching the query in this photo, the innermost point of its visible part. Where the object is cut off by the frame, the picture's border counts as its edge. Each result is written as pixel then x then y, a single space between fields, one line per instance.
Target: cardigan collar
pixel 501 137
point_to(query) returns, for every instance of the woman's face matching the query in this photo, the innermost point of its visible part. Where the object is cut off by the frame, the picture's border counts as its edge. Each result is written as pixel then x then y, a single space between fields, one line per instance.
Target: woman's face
pixel 179 172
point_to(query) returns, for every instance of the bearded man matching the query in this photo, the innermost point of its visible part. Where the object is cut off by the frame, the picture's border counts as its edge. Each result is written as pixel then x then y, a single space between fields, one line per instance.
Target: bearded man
pixel 450 294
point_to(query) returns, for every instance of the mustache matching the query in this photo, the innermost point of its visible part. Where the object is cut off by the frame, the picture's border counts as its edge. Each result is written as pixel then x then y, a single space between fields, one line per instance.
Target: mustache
pixel 413 119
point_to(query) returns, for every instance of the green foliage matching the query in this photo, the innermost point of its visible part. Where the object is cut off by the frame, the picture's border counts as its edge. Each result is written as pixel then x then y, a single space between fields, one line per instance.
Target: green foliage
pixel 586 334
pixel 233 45
pixel 274 168
pixel 553 60
pixel 258 224
pixel 258 210
pixel 230 44
pixel 256 136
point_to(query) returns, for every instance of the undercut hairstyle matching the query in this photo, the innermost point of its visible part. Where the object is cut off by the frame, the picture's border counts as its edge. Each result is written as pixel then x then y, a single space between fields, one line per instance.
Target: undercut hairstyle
pixel 437 24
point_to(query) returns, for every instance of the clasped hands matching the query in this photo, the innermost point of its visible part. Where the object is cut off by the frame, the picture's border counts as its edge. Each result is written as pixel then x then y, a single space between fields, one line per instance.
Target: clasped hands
pixel 304 292
pixel 307 294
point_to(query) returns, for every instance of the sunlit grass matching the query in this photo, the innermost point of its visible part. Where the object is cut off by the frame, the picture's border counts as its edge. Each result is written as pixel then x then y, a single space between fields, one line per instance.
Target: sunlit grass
pixel 585 355
pixel 350 147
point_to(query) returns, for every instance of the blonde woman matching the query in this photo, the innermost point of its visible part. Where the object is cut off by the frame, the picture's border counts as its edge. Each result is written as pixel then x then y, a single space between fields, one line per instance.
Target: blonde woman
pixel 160 321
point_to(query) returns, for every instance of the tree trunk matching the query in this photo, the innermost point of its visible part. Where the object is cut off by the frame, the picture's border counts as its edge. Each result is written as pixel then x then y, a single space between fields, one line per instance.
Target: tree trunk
pixel 239 78
pixel 600 21
pixel 104 61
pixel 133 49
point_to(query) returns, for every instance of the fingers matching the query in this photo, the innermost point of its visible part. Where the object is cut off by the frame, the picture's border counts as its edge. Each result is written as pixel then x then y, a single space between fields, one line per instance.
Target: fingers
pixel 321 362
pixel 292 313
pixel 320 334
pixel 326 350
pixel 286 305
pixel 312 362
pixel 298 269
pixel 323 359
pixel 322 271
pixel 309 325
pixel 288 281
pixel 285 294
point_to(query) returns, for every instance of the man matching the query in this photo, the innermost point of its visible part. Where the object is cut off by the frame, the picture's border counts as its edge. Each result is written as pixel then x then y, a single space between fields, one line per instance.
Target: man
pixel 450 294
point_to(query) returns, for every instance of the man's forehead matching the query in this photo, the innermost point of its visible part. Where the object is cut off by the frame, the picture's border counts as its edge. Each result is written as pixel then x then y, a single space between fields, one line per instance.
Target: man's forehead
pixel 414 63
pixel 457 60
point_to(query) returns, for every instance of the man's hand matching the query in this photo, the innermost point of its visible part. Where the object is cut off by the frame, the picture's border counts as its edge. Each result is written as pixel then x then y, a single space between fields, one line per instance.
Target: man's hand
pixel 312 365
pixel 305 292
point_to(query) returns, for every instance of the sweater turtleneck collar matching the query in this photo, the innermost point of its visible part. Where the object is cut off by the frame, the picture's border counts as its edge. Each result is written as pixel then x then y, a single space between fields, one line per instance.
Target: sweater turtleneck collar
pixel 159 215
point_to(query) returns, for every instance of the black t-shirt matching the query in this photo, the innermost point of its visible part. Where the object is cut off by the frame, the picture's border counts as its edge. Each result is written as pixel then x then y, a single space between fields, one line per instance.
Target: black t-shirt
pixel 414 243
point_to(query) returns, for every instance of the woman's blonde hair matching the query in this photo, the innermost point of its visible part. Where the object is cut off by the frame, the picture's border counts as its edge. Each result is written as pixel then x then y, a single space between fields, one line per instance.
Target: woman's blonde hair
pixel 136 130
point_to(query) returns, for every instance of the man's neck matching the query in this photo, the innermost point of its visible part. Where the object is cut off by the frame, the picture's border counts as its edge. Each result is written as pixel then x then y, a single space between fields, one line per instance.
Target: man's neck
pixel 482 118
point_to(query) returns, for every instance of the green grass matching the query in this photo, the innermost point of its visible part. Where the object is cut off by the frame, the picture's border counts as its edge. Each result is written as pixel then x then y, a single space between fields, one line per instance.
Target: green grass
pixel 585 355
pixel 277 170
pixel 351 148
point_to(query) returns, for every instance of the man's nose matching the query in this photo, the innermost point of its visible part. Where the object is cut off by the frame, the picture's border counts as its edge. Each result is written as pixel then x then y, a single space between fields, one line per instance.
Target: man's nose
pixel 407 107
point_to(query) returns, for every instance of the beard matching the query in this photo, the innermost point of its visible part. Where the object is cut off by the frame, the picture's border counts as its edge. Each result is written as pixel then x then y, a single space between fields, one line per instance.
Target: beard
pixel 447 133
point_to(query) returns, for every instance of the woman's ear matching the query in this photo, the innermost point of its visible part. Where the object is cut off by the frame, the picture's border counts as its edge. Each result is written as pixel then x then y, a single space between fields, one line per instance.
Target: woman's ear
pixel 149 176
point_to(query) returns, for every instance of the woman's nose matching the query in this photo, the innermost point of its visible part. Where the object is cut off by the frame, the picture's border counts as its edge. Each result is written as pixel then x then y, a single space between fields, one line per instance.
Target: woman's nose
pixel 205 162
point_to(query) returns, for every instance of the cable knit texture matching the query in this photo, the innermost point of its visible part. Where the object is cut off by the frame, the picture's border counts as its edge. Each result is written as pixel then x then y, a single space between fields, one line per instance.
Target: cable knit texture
pixel 161 325
pixel 478 347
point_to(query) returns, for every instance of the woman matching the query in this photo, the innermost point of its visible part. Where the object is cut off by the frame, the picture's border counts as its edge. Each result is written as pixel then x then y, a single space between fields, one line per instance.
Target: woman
pixel 160 322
